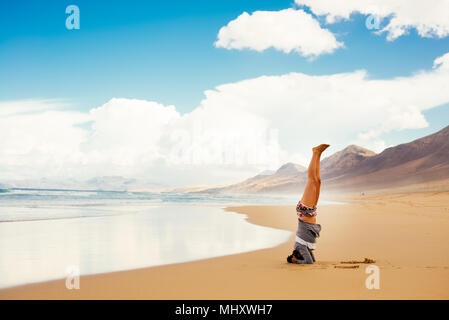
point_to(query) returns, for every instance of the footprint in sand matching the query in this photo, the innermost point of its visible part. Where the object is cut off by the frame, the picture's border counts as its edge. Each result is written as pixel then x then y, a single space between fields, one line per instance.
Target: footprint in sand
pixel 347 267
pixel 367 261
pixel 354 264
pixel 351 264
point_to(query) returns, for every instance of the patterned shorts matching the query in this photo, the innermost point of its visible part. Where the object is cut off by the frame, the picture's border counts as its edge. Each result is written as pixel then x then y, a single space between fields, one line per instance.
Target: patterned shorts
pixel 305 211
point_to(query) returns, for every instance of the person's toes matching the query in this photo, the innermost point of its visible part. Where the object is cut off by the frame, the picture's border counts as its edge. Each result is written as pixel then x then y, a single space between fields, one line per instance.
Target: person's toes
pixel 321 147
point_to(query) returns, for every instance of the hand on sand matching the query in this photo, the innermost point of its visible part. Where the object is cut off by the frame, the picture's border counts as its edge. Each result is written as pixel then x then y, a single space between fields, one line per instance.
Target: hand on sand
pixel 320 148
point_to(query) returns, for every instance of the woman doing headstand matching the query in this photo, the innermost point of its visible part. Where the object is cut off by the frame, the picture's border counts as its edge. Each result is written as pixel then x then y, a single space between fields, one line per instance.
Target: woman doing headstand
pixel 308 229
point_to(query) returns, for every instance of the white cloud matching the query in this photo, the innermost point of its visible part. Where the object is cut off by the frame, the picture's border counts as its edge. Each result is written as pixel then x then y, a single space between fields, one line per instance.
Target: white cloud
pixel 286 30
pixel 133 138
pixel 29 106
pixel 336 108
pixel 429 18
pixel 442 62
pixel 37 143
pixel 238 129
pixel 129 129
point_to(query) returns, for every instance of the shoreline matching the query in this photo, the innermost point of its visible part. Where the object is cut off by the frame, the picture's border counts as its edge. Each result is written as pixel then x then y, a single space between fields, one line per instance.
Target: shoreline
pixel 351 232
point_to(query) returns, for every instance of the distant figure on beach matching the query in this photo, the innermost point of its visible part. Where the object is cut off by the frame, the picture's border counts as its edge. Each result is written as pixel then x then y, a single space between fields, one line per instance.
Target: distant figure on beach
pixel 308 229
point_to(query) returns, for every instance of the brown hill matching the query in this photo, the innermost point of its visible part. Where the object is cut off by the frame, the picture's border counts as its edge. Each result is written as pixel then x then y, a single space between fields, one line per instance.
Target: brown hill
pixel 344 160
pixel 290 170
pixel 356 169
pixel 420 161
pixel 292 177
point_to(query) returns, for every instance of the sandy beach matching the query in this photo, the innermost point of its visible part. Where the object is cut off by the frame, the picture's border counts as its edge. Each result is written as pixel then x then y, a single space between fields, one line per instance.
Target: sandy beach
pixel 407 235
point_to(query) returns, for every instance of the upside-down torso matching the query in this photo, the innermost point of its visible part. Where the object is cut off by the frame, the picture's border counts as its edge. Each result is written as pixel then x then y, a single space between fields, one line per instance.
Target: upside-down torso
pixel 308 219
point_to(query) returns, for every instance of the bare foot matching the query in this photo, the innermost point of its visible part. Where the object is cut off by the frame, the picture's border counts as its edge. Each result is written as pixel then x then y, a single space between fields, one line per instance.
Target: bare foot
pixel 321 148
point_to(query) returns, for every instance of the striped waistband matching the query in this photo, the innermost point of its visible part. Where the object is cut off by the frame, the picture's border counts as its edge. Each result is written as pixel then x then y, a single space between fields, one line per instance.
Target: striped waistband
pixel 311 246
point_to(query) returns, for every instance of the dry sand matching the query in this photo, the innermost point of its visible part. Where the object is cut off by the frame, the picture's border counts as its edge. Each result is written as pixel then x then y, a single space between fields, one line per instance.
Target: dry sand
pixel 406 234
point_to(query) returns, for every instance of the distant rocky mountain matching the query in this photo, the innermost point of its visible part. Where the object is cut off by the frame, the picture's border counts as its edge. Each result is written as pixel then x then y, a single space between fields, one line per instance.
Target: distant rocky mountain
pixel 290 169
pixel 420 161
pixel 355 169
pixel 109 183
pixel 267 173
pixel 263 181
pixel 292 177
pixel 344 160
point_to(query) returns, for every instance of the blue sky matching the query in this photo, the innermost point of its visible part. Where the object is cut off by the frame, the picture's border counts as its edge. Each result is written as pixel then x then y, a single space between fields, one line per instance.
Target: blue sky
pixel 164 51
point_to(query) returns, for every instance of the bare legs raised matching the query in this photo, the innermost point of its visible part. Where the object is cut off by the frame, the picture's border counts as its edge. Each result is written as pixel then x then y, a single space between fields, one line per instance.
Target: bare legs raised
pixel 312 190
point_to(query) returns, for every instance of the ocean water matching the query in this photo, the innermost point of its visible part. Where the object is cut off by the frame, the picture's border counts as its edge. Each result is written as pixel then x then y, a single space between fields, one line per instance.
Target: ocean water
pixel 44 233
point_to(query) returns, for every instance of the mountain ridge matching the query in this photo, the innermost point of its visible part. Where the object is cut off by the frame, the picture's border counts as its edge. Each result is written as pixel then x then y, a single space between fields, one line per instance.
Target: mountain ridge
pixel 356 168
